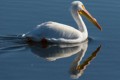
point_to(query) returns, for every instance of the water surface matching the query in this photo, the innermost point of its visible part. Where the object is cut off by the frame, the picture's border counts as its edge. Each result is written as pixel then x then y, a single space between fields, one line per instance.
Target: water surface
pixel 19 61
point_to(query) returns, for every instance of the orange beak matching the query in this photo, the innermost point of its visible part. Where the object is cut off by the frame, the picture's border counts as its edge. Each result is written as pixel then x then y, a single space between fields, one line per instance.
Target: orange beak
pixel 89 17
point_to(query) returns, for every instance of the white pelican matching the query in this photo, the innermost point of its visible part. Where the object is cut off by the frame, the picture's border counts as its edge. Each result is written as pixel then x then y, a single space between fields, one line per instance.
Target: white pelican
pixel 60 33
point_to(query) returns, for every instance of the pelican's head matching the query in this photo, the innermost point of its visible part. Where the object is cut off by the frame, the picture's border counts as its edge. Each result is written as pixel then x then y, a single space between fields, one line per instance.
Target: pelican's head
pixel 80 8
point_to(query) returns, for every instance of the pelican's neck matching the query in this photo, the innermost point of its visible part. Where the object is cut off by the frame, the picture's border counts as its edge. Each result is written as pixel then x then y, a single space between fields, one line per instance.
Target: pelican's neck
pixel 78 19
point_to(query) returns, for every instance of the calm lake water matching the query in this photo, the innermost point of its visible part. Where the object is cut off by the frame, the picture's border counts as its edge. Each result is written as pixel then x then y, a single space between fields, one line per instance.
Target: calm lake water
pixel 22 62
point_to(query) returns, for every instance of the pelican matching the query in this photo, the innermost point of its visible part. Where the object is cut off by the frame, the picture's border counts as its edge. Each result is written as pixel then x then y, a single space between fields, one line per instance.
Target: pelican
pixel 59 33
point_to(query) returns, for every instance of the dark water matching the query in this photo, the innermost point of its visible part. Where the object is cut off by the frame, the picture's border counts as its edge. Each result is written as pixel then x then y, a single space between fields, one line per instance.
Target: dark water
pixel 19 61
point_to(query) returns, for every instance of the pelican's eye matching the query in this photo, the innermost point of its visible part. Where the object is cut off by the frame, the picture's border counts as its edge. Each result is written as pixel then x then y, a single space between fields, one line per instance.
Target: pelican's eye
pixel 81 11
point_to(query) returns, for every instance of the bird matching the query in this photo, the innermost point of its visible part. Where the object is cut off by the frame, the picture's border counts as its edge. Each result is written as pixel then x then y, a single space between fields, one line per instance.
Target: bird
pixel 55 32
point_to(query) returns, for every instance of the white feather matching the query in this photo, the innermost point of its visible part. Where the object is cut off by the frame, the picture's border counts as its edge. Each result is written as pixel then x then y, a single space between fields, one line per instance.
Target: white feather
pixel 55 32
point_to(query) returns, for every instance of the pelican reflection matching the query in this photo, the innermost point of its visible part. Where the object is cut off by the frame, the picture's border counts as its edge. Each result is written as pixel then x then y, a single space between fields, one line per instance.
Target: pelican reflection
pixel 57 51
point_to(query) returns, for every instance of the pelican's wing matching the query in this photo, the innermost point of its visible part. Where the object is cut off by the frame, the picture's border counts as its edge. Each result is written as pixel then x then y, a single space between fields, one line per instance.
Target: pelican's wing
pixel 54 32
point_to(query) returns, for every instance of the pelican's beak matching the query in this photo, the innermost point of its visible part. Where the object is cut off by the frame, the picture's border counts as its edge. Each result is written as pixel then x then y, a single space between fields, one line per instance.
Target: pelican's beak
pixel 89 17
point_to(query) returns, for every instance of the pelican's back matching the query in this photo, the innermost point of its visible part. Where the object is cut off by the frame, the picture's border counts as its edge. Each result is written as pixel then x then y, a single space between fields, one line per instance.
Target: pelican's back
pixel 55 32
